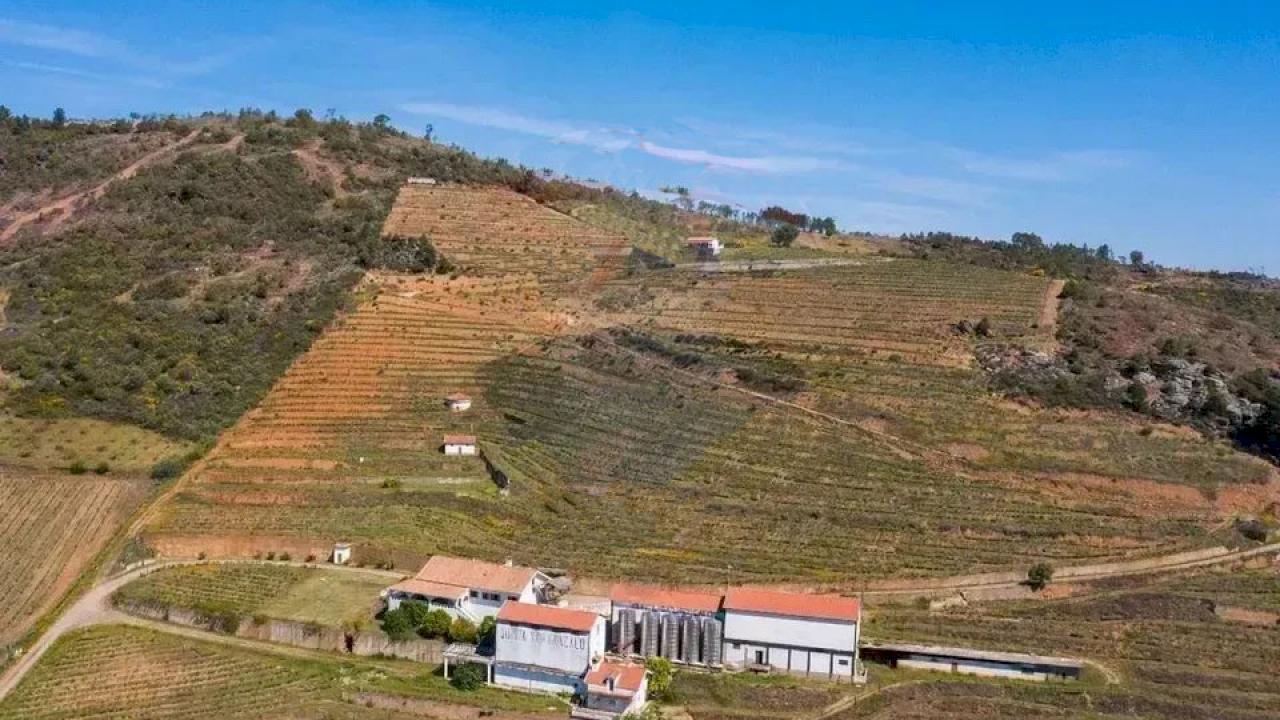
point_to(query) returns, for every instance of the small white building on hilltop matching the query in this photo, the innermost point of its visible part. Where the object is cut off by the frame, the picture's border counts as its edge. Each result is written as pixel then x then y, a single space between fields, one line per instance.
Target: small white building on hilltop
pixel 341 553
pixel 811 635
pixel 540 648
pixel 458 402
pixel 460 445
pixel 613 689
pixel 705 246
pixel 471 589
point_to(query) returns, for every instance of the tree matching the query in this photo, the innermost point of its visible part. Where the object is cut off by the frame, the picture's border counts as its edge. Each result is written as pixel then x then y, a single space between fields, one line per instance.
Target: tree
pixel 5 114
pixel 1135 396
pixel 429 132
pixel 660 672
pixel 436 624
pixel 396 624
pixel 382 122
pixel 1136 258
pixel 488 628
pixel 1039 575
pixel 784 235
pixel 983 328
pixel 462 630
pixel 1027 241
pixel 302 118
pixel 1104 252
pixel 59 117
pixel 469 677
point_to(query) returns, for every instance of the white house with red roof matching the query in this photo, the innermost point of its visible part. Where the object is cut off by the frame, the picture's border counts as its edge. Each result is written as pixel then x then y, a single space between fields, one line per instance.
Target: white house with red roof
pixel 471 589
pixel 613 689
pixel 542 648
pixel 706 246
pixel 460 445
pixel 812 635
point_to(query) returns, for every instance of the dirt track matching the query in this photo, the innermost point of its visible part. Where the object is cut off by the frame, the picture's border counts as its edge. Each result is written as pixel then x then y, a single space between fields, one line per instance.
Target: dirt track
pixel 58 211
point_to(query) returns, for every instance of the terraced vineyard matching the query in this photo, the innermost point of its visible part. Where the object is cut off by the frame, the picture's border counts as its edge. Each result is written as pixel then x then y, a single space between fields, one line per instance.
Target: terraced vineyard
pixel 1176 658
pixel 54 526
pixel 901 308
pixel 630 425
pixel 495 231
pixel 120 672
pixel 328 597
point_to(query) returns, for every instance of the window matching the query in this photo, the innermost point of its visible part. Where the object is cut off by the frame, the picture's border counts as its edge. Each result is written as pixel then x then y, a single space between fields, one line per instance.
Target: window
pixel 737 646
pixel 844 662
pixel 475 593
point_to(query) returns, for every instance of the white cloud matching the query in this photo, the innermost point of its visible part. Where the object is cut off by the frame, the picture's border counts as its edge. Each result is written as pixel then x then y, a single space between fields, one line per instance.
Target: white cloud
pixel 614 139
pixel 1054 167
pixel 769 164
pixel 75 72
pixel 67 40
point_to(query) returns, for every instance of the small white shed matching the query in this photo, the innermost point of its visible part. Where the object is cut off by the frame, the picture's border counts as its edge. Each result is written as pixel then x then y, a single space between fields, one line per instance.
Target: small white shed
pixel 460 445
pixel 458 402
pixel 341 553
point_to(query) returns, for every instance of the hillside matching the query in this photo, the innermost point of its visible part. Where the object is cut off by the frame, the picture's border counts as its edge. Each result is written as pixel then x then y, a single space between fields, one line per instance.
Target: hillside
pixel 820 421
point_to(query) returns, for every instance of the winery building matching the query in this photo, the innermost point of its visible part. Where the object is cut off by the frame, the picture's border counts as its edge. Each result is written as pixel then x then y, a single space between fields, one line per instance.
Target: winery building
pixel 811 635
pixel 541 648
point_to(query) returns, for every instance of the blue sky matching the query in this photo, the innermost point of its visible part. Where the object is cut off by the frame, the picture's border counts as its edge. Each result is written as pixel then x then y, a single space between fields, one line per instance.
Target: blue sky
pixel 1141 125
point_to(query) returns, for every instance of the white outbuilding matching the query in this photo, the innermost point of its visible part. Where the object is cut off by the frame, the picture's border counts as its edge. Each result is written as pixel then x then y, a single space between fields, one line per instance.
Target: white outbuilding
pixel 458 402
pixel 460 445
pixel 614 689
pixel 705 246
pixel 811 635
pixel 341 553
pixel 541 648
pixel 471 589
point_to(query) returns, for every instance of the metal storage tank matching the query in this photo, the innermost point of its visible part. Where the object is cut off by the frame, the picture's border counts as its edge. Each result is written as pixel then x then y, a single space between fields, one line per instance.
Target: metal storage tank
pixel 649 630
pixel 691 632
pixel 671 636
pixel 712 642
pixel 624 633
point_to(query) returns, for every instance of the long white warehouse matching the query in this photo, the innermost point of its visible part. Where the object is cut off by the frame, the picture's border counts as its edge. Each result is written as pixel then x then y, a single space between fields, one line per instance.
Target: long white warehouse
pixel 812 635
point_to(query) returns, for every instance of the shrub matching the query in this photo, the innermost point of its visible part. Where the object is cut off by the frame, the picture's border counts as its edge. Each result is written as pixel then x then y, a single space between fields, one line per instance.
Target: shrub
pixel 167 469
pixel 436 624
pixel 397 625
pixel 462 630
pixel 102 468
pixel 469 677
pixel 78 468
pixel 660 673
pixel 784 235
pixel 1039 575
pixel 485 634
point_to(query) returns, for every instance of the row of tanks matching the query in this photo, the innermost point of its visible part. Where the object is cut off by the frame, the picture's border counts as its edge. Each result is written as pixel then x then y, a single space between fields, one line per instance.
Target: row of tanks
pixel 692 639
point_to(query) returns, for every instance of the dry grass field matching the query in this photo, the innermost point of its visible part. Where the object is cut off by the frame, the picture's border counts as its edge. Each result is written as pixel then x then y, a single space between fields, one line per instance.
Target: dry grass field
pixel 54 525
pixel 813 425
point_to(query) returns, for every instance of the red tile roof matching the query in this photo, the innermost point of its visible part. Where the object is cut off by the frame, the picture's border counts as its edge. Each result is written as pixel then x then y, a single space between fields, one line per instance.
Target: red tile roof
pixel 656 596
pixel 627 677
pixel 700 240
pixel 466 573
pixel 548 616
pixel 828 607
pixel 459 439
pixel 426 588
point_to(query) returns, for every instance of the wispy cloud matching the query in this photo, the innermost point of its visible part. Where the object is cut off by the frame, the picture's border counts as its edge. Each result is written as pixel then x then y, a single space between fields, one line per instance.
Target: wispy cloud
pixel 615 139
pixel 107 50
pixel 76 72
pixel 1053 167
pixel 932 187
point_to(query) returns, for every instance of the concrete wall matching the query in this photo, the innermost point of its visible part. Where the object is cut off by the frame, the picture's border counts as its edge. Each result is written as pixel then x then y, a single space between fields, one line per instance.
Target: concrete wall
pixel 791 631
pixel 543 647
pixel 797 661
pixel 533 680
pixel 980 668
pixel 460 450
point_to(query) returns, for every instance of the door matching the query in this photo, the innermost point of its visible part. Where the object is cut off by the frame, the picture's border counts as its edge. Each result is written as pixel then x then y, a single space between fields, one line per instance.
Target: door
pixel 761 657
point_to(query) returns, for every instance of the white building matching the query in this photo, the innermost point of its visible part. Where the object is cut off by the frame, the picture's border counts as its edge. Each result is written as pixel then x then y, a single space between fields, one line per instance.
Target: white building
pixel 341 553
pixel 458 402
pixel 422 181
pixel 613 689
pixel 812 635
pixel 460 445
pixel 540 648
pixel 471 589
pixel 705 246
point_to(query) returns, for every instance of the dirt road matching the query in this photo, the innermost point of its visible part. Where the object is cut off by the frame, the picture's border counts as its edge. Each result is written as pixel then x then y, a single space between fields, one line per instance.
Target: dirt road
pixel 58 211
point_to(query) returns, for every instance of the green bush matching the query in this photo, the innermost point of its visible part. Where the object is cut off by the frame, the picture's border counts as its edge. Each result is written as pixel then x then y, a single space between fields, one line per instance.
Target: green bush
pixel 462 630
pixel 102 468
pixel 1039 576
pixel 397 625
pixel 78 468
pixel 469 677
pixel 436 625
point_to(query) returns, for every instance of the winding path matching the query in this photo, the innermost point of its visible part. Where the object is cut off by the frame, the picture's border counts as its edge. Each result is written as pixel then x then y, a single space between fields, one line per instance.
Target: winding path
pixel 57 211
